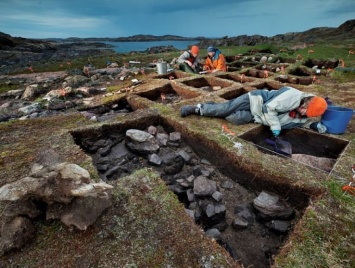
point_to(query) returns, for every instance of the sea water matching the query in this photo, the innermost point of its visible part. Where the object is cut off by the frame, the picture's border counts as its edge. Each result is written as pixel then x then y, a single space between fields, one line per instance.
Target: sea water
pixel 123 47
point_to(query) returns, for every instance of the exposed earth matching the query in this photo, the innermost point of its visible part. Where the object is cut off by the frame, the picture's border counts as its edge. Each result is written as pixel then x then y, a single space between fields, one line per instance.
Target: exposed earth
pixel 72 112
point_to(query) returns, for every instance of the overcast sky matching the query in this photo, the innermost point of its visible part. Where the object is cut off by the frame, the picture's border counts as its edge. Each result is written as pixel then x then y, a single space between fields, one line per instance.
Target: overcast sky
pixel 188 18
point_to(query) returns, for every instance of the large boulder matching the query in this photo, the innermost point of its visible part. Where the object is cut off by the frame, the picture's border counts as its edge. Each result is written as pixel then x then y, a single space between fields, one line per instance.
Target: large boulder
pixel 59 190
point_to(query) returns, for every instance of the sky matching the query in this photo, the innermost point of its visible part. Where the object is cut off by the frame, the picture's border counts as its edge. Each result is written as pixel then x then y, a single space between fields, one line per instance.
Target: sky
pixel 188 18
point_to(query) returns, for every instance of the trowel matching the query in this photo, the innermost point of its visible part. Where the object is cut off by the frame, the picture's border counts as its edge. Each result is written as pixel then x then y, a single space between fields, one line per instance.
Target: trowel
pixel 281 146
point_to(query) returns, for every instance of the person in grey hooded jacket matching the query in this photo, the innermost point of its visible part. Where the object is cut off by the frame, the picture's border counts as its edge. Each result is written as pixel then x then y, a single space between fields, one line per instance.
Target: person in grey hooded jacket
pixel 188 61
pixel 285 108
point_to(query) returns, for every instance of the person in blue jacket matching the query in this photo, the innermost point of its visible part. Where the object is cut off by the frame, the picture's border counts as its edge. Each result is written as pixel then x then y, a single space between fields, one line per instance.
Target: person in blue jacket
pixel 285 108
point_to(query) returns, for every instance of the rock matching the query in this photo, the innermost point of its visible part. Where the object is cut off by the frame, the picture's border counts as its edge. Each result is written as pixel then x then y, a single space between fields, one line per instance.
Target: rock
pixel 205 162
pixel 60 183
pixel 162 138
pixel 21 207
pixel 185 155
pixel 217 196
pixel 214 233
pixel 16 233
pixel 190 195
pixel 76 81
pixel 72 172
pixel 118 151
pixel 63 190
pixel 30 92
pixel 60 105
pixel 204 186
pixel 173 163
pixel 190 213
pixel 198 170
pixel 155 160
pixel 227 184
pixel 245 212
pixel 152 130
pixel 239 223
pixel 270 206
pixel 278 226
pixel 81 213
pixel 54 94
pixel 263 59
pixel 32 108
pixel 212 214
pixel 16 93
pixel 141 142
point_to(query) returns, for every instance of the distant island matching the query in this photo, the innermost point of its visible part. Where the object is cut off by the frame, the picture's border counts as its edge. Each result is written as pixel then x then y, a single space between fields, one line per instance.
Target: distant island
pixel 345 33
pixel 133 38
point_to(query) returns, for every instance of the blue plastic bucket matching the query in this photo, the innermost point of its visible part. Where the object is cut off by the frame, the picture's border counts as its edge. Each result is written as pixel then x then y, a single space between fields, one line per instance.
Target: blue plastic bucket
pixel 336 119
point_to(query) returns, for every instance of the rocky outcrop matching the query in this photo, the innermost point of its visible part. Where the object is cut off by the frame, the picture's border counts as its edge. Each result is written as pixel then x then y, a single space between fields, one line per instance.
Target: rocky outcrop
pixel 241 40
pixel 344 32
pixel 53 190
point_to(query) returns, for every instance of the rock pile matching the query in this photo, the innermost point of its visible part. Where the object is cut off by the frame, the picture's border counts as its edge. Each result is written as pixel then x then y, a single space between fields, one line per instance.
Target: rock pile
pixel 197 184
pixel 56 93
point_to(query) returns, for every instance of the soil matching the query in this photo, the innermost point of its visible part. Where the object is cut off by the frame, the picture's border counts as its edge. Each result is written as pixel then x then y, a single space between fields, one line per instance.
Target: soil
pixel 259 244
pixel 255 246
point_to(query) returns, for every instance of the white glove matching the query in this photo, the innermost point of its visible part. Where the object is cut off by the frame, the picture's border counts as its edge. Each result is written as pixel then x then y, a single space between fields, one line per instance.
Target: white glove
pixel 321 128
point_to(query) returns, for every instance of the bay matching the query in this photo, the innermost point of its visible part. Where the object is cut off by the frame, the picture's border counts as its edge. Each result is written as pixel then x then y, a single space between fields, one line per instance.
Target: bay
pixel 123 47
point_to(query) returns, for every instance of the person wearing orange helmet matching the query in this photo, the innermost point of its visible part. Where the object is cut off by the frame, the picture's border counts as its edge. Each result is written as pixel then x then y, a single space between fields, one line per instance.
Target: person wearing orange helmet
pixel 189 62
pixel 285 108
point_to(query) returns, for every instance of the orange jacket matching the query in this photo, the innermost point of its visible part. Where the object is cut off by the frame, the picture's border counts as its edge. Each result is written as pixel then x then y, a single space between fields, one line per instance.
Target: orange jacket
pixel 216 64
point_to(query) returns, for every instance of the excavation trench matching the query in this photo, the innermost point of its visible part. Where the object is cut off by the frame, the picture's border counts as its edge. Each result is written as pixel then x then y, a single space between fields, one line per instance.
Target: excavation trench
pixel 230 213
pixel 308 147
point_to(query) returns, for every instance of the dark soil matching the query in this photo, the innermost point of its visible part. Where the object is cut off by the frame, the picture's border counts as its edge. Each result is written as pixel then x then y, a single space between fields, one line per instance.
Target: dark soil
pixel 254 246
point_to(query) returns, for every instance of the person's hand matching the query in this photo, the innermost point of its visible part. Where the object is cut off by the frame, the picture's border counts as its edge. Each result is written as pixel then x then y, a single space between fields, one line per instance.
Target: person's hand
pixel 276 133
pixel 321 128
pixel 318 126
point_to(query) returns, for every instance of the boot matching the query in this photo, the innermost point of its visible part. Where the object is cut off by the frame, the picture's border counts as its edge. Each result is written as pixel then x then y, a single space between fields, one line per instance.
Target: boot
pixel 189 109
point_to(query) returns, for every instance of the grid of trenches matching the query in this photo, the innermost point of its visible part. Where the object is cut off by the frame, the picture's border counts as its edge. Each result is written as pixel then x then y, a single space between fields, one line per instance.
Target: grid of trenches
pixel 244 212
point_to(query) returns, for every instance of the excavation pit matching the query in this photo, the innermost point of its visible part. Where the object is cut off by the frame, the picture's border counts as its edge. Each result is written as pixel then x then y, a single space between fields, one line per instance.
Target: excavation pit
pixel 308 147
pixel 231 94
pixel 109 110
pixel 236 77
pixel 256 73
pixel 266 85
pixel 300 72
pixel 165 94
pixel 305 80
pixel 242 64
pixel 208 83
pixel 172 75
pixel 230 213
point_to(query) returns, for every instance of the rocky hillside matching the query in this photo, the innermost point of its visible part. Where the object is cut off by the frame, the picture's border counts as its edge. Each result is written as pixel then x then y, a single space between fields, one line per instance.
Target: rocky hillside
pixel 345 33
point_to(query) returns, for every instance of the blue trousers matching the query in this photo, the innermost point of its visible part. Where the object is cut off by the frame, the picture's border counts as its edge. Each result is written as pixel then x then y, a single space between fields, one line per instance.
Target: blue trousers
pixel 236 111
